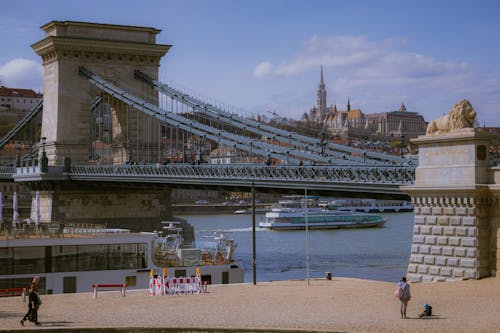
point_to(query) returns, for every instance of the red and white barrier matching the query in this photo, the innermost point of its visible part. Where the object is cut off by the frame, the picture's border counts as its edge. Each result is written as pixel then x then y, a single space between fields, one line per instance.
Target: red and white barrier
pixel 166 285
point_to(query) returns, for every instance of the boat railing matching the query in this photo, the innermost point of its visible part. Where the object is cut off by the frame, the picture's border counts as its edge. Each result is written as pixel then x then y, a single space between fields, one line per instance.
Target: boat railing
pixel 56 230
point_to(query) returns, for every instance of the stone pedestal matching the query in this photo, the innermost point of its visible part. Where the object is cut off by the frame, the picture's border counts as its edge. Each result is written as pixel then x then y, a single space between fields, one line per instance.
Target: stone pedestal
pixel 453 208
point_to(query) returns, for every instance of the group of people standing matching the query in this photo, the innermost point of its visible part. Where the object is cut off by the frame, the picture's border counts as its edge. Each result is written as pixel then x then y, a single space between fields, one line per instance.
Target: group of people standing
pixel 34 303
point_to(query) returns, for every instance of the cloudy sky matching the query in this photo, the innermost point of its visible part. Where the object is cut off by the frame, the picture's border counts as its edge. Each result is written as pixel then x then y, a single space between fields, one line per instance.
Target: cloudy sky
pixel 265 55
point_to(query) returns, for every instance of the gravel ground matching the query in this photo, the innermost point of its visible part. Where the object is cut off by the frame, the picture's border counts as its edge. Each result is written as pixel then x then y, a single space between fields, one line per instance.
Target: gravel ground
pixel 343 304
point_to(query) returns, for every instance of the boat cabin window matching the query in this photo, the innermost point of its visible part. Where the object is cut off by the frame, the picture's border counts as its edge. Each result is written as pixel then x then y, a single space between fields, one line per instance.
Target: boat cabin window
pixel 206 278
pixel 130 281
pixel 180 272
pixel 72 258
pixel 225 277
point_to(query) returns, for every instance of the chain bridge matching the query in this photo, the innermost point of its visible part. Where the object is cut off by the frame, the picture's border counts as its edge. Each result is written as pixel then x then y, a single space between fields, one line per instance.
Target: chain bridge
pixel 109 124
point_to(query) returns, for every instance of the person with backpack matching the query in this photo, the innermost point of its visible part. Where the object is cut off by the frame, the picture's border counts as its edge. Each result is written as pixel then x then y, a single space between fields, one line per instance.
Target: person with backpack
pixel 403 293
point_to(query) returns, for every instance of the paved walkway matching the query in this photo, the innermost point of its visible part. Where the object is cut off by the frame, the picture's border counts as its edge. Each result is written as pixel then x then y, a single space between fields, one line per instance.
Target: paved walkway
pixel 340 305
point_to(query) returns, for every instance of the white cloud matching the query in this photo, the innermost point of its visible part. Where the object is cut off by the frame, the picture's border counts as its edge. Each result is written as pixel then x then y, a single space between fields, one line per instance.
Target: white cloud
pixel 263 69
pixel 22 73
pixel 378 76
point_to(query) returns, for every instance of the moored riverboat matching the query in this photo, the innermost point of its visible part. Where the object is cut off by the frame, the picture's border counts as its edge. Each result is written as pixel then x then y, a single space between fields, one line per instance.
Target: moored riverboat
pixel 73 257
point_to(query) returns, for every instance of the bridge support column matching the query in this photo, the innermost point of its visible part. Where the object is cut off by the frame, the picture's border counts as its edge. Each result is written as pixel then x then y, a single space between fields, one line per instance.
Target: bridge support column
pixel 135 209
pixel 454 230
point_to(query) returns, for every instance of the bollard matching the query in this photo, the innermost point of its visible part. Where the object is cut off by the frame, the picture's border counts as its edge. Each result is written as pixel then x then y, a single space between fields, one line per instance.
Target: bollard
pixel 328 275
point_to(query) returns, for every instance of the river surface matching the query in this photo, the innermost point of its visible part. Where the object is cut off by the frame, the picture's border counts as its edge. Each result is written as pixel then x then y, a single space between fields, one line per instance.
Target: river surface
pixel 372 253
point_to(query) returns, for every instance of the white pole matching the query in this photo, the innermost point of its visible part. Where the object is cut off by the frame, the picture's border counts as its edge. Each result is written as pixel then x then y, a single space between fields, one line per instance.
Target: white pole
pixel 37 204
pixel 1 209
pixel 15 214
pixel 307 236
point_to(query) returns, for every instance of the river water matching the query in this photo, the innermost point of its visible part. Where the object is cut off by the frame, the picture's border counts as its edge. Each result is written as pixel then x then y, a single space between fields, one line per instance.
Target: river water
pixel 372 253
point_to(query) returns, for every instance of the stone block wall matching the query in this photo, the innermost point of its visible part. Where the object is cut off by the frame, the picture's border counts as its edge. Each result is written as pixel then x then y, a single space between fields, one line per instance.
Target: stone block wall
pixel 451 235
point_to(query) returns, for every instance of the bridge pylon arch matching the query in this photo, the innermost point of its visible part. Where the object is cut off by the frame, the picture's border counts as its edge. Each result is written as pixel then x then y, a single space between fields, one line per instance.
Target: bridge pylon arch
pixel 114 52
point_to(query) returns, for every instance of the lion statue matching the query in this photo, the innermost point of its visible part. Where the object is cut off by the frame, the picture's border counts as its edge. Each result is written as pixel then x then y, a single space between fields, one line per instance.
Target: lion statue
pixel 461 115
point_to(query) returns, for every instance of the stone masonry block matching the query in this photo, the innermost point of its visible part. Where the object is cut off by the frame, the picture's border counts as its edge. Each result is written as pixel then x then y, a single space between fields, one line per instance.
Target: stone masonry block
pixel 449 210
pixel 416 229
pixel 471 211
pixel 471 232
pixel 469 241
pixel 423 269
pixel 419 219
pixel 469 220
pixel 414 277
pixel 461 231
pixel 442 240
pixel 434 270
pixel 460 211
pixel 431 220
pixel 429 260
pixel 437 210
pixel 446 271
pixel 425 249
pixel 425 230
pixel 441 261
pixel 468 263
pixel 460 252
pixel 472 253
pixel 412 268
pixel 437 230
pixel 443 220
pixel 431 240
pixel 427 278
pixel 455 220
pixel 416 210
pixel 415 249
pixel 454 241
pixel 458 272
pixel 416 259
pixel 471 274
pixel 448 251
pixel 436 250
pixel 417 239
pixel 449 231
pixel 453 262
pixel 425 211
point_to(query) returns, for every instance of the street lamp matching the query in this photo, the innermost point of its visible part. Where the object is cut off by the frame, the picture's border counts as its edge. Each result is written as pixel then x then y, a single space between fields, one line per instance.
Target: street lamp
pixel 45 160
pixel 401 146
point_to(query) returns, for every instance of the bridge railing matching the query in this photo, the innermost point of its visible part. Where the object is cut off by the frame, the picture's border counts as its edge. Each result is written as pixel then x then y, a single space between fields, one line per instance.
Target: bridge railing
pixel 394 175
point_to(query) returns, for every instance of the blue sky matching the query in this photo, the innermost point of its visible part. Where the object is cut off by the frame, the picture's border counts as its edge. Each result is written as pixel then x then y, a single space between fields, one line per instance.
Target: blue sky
pixel 265 55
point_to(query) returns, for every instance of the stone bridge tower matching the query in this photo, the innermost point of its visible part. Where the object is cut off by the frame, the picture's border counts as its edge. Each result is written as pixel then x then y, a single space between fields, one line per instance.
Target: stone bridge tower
pixel 113 52
pixel 457 208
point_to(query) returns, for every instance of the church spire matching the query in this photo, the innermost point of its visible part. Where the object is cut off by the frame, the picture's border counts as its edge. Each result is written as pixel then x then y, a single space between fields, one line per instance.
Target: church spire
pixel 348 104
pixel 321 78
pixel 321 97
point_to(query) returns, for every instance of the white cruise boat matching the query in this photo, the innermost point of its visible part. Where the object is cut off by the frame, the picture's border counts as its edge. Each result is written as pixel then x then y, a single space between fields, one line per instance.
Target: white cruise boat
pixel 291 214
pixel 372 205
pixel 73 257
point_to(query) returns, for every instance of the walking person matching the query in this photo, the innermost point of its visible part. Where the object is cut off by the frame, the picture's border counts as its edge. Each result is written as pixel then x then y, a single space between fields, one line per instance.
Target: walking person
pixel 403 293
pixel 34 303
